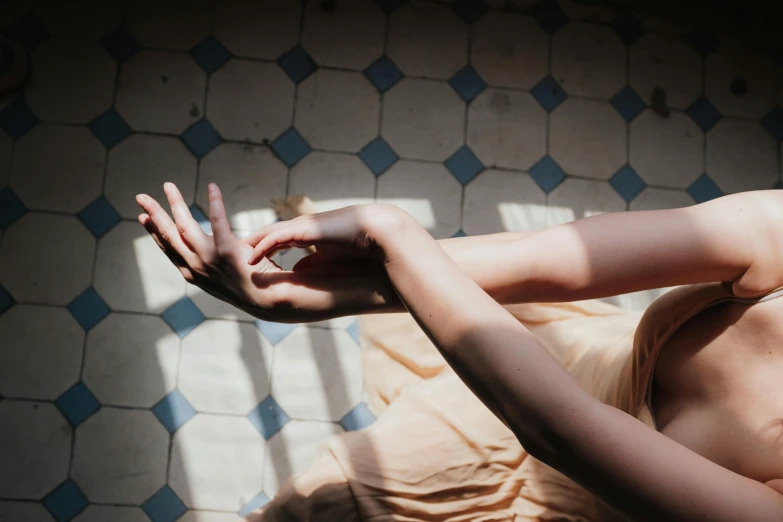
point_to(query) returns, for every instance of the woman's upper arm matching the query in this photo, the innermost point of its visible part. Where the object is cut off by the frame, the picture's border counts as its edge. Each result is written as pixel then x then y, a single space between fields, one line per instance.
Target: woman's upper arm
pixel 643 475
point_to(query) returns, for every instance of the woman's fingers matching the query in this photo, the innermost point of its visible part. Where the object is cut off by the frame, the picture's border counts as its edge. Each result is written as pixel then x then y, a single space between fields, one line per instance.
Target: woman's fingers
pixel 221 230
pixel 287 234
pixel 188 228
pixel 152 230
pixel 167 230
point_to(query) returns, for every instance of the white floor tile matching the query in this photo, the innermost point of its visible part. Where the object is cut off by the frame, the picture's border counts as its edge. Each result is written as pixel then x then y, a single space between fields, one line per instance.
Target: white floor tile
pixel 658 199
pixel 90 19
pixel 666 61
pixel 170 24
pixel 581 198
pixel 207 516
pixel 332 180
pixel 114 513
pixel 733 63
pixel 500 201
pixel 257 29
pixel 742 155
pixel 26 511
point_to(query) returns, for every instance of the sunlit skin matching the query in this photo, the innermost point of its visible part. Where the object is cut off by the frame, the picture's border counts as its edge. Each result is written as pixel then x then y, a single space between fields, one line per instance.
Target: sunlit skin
pixel 373 258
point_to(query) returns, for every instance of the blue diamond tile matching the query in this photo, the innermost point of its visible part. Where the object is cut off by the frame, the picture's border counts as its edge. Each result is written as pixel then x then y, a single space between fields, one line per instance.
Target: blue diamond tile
pixel 173 411
pixel 628 27
pixel 358 418
pixel 268 417
pixel 353 331
pixel 99 217
pixel 549 93
pixel 773 122
pixel 110 128
pixel 27 31
pixel 464 165
pixel 255 503
pixel 210 54
pixel 183 316
pixel 164 506
pixel 703 113
pixel 274 332
pixel 120 44
pixel 467 83
pixel 6 300
pixel 201 218
pixel 628 103
pixel 470 10
pixel 378 156
pixel 297 64
pixel 550 17
pixel 704 189
pixel 77 404
pixel 627 183
pixel 65 501
pixel 547 174
pixel 460 233
pixel 17 118
pixel 201 138
pixel 11 208
pixel 703 40
pixel 88 309
pixel 290 147
pixel 383 74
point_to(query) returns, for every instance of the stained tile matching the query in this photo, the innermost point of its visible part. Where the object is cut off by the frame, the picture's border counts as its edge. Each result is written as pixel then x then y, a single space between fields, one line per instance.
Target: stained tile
pixel 290 147
pixel 509 50
pixel 160 91
pixel 741 82
pixel 627 183
pixel 110 128
pixel 140 165
pixel 653 198
pixel 96 513
pixel 28 31
pixel 23 510
pixel 131 360
pixel 99 217
pixel 88 309
pixel 173 411
pixel 588 138
pixel 332 180
pixel 703 40
pixel 464 165
pixel 666 151
pixel 170 24
pixel 120 456
pixel 268 417
pixel 383 74
pixel 423 119
pixel 11 208
pixel 549 93
pixel 507 129
pixel 358 418
pixel 255 503
pixel 317 374
pixel 550 17
pixel 581 198
pixel 66 501
pixel 274 332
pixel 42 352
pixel 427 39
pixel 217 462
pixel 547 174
pixel 250 177
pixel 741 156
pixel 132 274
pixel 500 201
pixel 666 62
pixel 35 448
pixel 257 29
pixel 201 138
pixel 73 81
pixel 17 118
pixel 183 316
pixel 77 404
pixel 467 83
pixel 773 122
pixel 427 191
pixel 210 54
pixel 250 101
pixel 628 103
pixel 704 189
pixel 26 269
pixel 90 19
pixel 297 64
pixel 120 44
pixel 378 156
pixel 589 60
pixel 225 367
pixel 348 38
pixel 337 110
pixel 164 506
pixel 293 450
pixel 703 113
pixel 58 167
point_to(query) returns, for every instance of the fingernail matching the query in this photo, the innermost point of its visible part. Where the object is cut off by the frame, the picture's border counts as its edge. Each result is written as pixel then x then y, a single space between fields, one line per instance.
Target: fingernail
pixel 212 187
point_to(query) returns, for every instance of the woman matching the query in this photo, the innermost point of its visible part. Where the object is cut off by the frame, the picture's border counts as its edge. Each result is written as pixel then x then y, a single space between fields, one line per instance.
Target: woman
pixel 711 447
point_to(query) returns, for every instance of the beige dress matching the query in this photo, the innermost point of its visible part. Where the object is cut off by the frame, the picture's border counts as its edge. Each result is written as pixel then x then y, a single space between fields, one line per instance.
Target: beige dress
pixel 437 454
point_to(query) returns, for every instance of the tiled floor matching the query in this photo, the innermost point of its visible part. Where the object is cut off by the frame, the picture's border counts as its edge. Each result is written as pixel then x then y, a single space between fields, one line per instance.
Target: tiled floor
pixel 127 396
